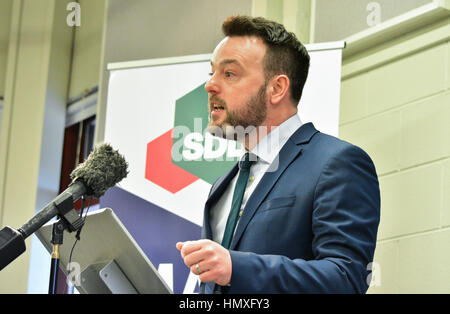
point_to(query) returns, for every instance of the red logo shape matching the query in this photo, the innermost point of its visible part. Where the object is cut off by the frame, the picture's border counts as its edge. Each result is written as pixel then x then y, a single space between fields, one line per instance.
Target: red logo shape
pixel 159 168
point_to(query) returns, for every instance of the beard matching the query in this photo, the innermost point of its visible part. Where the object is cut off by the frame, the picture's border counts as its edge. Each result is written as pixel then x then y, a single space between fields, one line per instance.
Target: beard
pixel 241 121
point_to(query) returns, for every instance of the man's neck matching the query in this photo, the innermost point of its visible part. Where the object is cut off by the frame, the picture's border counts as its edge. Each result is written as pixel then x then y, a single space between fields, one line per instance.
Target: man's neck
pixel 253 138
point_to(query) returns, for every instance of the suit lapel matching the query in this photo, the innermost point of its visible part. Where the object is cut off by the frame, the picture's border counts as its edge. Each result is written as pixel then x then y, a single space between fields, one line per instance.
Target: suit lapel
pixel 221 184
pixel 290 152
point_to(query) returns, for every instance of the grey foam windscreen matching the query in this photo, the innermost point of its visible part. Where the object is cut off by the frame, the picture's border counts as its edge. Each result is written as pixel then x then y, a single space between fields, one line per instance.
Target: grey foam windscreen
pixel 103 169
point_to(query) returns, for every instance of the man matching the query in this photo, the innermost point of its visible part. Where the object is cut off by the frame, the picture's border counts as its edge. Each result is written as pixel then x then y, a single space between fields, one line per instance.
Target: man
pixel 302 217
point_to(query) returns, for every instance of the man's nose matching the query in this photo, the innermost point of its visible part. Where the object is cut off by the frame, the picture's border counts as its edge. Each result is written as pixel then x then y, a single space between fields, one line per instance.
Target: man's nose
pixel 211 86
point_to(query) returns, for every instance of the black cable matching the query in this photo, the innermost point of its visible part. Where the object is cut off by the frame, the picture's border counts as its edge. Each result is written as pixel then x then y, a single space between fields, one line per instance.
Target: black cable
pixel 77 236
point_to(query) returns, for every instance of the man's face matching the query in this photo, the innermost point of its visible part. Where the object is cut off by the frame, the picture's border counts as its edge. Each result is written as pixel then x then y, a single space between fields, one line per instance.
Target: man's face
pixel 237 87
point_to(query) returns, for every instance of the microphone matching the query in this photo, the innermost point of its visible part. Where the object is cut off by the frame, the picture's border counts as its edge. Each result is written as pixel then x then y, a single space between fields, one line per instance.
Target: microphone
pixel 103 169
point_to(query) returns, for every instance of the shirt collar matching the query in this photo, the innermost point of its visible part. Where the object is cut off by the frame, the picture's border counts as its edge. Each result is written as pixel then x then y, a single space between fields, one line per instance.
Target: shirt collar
pixel 269 146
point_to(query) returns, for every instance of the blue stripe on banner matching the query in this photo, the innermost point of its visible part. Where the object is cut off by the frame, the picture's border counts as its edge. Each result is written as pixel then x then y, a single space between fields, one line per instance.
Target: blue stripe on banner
pixel 155 229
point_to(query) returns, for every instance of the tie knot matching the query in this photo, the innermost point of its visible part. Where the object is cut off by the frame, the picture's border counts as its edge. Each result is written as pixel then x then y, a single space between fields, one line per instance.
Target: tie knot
pixel 247 161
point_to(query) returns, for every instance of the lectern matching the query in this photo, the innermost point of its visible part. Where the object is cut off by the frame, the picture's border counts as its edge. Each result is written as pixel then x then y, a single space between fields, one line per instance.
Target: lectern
pixel 107 259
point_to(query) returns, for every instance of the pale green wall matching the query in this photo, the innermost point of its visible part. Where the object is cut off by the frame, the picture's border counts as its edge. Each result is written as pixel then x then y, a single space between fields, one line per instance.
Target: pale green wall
pixel 398 110
pixel 87 48
pixel 31 137
pixel 5 21
pixel 295 15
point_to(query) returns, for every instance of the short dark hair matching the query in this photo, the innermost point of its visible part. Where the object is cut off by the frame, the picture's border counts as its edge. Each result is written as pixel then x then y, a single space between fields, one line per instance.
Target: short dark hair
pixel 285 53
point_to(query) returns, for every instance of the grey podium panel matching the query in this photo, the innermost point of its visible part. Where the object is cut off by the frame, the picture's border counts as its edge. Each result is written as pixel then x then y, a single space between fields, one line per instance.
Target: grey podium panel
pixel 109 259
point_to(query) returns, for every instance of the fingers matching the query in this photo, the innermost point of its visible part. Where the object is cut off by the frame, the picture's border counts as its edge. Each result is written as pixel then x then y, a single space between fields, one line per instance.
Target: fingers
pixel 201 269
pixel 213 260
pixel 194 258
pixel 206 271
pixel 189 247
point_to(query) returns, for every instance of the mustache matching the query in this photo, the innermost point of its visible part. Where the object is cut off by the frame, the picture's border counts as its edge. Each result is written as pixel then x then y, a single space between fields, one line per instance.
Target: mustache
pixel 217 100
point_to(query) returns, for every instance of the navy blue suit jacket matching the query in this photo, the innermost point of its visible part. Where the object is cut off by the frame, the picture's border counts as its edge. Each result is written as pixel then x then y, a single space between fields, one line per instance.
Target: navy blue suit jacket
pixel 308 227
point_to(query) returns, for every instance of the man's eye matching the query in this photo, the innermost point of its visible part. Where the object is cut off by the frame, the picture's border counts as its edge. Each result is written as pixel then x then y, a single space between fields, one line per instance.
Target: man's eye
pixel 211 73
pixel 229 74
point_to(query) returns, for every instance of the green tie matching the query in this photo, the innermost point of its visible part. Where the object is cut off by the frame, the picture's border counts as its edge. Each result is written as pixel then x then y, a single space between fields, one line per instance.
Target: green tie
pixel 239 190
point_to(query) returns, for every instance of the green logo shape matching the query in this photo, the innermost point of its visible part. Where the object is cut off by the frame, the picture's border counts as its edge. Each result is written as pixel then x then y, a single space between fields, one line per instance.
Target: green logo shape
pixel 190 144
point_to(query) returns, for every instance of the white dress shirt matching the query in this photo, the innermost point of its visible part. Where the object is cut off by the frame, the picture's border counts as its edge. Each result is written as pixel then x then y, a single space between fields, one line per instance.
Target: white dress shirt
pixel 267 151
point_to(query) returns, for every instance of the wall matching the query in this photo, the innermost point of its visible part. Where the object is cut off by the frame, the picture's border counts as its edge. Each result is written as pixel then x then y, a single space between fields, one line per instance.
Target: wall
pixel 295 15
pixel 5 21
pixel 36 84
pixel 396 105
pixel 87 47
pixel 338 19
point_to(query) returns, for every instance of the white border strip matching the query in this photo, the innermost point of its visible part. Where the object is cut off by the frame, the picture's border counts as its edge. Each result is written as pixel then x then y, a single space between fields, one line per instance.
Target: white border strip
pixel 205 57
pixel 333 45
pixel 157 62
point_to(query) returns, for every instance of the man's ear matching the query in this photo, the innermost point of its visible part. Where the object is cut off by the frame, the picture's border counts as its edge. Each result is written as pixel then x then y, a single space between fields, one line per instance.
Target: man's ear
pixel 279 88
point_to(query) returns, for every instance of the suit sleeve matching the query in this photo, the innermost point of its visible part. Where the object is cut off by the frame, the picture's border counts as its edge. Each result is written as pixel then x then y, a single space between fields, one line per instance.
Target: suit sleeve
pixel 345 218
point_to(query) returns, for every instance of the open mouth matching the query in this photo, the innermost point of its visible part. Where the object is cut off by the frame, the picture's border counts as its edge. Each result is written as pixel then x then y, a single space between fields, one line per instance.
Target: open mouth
pixel 217 108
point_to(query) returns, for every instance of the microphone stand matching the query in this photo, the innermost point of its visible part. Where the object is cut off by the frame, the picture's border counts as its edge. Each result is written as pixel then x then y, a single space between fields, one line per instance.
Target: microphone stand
pixel 70 221
pixel 56 240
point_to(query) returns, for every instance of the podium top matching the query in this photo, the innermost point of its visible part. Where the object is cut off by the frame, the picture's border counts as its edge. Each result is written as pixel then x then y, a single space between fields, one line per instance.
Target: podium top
pixel 104 238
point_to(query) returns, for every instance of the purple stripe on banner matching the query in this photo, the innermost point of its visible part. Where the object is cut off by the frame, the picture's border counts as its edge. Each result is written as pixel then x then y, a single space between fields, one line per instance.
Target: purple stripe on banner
pixel 155 229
